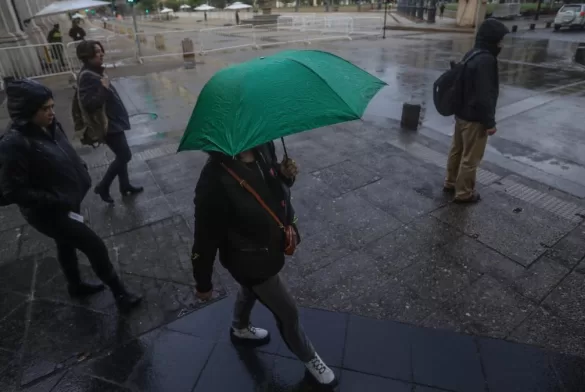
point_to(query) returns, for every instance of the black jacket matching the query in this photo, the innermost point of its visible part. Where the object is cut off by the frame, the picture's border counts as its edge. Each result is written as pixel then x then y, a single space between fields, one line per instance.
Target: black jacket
pixel 39 171
pixel 229 219
pixel 77 33
pixel 480 76
pixel 94 96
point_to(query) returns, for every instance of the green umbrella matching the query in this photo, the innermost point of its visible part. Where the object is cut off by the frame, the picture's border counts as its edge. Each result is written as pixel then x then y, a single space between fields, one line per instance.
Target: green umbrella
pixel 245 105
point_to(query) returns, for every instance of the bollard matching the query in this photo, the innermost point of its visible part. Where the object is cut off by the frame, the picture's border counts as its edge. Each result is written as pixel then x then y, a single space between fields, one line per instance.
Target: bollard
pixel 514 29
pixel 580 54
pixel 532 25
pixel 548 24
pixel 410 116
pixel 188 53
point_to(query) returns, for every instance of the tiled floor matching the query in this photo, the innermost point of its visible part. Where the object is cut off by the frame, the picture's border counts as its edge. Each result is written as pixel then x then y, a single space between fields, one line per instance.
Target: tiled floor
pixel 368 355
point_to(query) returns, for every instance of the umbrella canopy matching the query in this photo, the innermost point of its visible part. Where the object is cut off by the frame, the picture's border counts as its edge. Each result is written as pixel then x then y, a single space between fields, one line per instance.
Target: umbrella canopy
pixel 166 11
pixel 185 6
pixel 238 6
pixel 204 7
pixel 245 105
pixel 61 7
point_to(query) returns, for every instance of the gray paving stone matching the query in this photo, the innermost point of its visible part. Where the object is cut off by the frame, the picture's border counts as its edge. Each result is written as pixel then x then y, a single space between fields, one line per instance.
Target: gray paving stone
pixel 546 329
pixel 108 220
pixel 161 250
pixel 177 171
pixel 489 308
pixel 398 199
pixel 570 250
pixel 9 242
pixel 436 279
pixel 540 278
pixel 356 220
pixel 11 218
pixel 346 176
pixel 33 242
pixel 495 223
pixel 568 299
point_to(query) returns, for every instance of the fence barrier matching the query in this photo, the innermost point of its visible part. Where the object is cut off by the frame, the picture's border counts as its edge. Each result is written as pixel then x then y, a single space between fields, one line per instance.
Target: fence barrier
pixel 37 61
pixel 34 61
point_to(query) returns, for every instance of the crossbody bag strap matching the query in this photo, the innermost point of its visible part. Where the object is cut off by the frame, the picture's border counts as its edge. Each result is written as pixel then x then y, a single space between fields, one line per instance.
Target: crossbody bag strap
pixel 247 187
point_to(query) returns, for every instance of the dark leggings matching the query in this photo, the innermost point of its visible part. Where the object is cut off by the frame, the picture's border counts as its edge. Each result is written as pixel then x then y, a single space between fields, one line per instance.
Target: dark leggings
pixel 118 143
pixel 71 235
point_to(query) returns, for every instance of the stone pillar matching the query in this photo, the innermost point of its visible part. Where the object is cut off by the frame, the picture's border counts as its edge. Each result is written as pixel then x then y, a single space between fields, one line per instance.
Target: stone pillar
pixel 26 12
pixel 16 62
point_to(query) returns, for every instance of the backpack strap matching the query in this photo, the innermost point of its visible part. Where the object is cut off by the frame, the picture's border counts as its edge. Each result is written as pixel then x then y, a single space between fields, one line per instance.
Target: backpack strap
pixel 472 55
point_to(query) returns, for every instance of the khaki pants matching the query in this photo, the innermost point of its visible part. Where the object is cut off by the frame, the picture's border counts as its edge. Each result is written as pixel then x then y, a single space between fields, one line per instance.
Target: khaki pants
pixel 467 150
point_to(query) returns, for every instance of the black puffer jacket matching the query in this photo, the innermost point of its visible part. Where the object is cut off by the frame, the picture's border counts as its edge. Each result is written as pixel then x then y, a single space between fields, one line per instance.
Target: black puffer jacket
pixel 480 76
pixel 229 219
pixel 39 171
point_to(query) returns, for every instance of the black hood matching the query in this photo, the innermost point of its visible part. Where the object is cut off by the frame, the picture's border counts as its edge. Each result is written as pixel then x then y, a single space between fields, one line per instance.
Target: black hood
pixel 25 98
pixel 489 34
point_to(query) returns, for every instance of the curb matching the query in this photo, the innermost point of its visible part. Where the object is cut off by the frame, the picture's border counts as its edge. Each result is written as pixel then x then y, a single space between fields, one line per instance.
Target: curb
pixel 432 29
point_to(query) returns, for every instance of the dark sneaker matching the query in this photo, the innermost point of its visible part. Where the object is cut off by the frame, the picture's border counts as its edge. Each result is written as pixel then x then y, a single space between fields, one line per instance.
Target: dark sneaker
pixel 131 190
pixel 82 290
pixel 127 301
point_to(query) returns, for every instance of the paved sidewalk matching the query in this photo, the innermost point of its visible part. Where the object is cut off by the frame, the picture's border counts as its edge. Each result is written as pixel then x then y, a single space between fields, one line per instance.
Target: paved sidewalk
pixel 381 240
pixel 194 354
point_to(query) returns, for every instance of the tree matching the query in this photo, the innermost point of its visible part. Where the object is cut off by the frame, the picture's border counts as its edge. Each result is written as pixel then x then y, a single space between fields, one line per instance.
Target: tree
pixel 173 4
pixel 148 5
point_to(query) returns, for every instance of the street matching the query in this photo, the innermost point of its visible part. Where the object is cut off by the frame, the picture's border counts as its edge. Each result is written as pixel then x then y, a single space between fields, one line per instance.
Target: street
pixel 400 289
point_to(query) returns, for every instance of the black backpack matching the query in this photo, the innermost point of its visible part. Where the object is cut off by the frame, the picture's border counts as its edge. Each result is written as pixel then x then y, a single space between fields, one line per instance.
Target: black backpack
pixel 3 201
pixel 447 89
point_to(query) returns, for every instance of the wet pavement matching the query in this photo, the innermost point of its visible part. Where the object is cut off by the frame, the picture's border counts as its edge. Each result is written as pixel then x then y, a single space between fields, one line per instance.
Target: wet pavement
pixel 382 245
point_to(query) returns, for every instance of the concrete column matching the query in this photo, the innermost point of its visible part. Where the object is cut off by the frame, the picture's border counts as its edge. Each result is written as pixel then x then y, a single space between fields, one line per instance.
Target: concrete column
pixel 17 61
pixel 34 32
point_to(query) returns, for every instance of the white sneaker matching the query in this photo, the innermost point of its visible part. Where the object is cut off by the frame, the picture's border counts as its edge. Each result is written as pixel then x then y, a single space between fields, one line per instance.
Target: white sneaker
pixel 321 372
pixel 251 335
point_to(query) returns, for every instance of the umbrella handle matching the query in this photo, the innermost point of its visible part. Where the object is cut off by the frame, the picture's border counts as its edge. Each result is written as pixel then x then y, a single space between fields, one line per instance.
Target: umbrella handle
pixel 284 147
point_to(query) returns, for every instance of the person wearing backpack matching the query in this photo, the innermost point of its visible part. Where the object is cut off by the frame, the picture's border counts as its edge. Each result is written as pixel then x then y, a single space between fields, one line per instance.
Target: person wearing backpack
pixel 476 96
pixel 42 174
pixel 97 94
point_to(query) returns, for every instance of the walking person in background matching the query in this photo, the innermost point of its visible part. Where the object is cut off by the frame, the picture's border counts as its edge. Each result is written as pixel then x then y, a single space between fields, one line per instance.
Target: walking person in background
pixel 76 32
pixel 55 37
pixel 441 9
pixel 95 91
pixel 475 118
pixel 249 236
pixel 42 174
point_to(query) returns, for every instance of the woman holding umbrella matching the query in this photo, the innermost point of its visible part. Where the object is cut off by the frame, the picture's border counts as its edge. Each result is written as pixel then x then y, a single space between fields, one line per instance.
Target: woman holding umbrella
pixel 242 199
pixel 251 244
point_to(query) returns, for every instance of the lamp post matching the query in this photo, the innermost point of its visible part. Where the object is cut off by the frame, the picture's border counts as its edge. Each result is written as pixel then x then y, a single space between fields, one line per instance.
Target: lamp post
pixel 385 16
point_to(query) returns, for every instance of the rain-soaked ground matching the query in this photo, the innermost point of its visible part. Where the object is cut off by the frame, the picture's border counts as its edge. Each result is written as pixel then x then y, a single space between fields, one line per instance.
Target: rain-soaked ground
pixel 401 290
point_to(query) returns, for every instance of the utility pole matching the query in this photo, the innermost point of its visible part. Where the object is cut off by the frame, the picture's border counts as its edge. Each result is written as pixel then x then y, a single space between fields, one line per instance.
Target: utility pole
pixel 297 5
pixel 537 14
pixel 385 16
pixel 133 5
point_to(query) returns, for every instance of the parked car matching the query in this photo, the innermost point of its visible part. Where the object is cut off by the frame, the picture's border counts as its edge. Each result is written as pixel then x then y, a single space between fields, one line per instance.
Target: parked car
pixel 571 16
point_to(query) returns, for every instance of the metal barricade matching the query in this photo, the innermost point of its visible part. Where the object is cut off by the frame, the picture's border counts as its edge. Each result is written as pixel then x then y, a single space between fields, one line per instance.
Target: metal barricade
pixel 166 43
pixel 278 34
pixel 119 50
pixel 34 61
pixel 328 28
pixel 226 38
pixel 367 26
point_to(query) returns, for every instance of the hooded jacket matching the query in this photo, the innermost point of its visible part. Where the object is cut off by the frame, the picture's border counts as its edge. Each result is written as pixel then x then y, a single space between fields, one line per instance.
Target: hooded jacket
pixel 229 219
pixel 39 170
pixel 480 76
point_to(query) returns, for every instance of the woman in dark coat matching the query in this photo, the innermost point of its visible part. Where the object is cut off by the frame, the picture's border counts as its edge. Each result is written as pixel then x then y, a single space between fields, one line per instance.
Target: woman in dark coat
pixel 42 174
pixel 251 244
pixel 95 92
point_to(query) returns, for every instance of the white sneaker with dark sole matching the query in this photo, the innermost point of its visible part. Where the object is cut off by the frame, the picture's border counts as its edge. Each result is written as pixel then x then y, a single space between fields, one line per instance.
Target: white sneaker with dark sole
pixel 322 374
pixel 250 336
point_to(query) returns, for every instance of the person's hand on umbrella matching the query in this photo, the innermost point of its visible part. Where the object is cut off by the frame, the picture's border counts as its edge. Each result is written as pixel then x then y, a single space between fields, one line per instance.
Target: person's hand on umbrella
pixel 289 168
